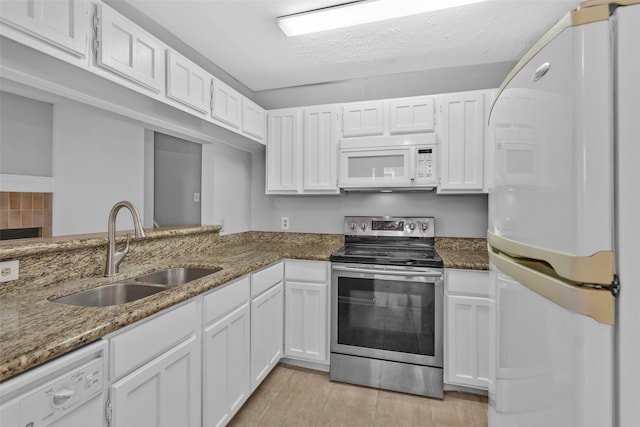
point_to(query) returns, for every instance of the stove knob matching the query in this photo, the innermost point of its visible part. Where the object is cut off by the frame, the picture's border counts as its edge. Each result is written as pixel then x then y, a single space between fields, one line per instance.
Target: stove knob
pixel 363 225
pixel 412 226
pixel 425 226
pixel 353 225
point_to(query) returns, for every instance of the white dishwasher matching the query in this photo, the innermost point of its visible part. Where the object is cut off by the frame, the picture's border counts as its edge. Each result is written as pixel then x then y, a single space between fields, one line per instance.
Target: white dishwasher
pixel 65 392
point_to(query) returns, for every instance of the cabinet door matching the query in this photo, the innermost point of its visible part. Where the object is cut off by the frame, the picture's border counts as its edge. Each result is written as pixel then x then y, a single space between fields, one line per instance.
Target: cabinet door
pixel 226 367
pixel 61 23
pixel 226 104
pixel 412 115
pixel 461 135
pixel 186 82
pixel 127 50
pixel 363 119
pixel 253 119
pixel 306 321
pixel 468 341
pixel 320 149
pixel 283 151
pixel 163 393
pixel 266 333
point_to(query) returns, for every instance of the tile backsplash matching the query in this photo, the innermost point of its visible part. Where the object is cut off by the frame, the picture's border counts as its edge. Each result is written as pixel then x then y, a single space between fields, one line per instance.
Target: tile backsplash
pixel 26 210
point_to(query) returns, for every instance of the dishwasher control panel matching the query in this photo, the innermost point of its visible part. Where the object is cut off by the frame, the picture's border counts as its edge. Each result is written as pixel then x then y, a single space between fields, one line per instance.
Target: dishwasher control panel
pixel 62 395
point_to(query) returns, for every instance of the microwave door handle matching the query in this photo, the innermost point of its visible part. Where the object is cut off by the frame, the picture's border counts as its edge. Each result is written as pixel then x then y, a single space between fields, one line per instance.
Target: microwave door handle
pixel 389 272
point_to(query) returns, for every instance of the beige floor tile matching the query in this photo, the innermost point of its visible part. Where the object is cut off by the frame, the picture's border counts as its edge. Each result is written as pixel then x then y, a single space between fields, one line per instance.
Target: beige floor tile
pixel 292 396
pixel 300 402
pixel 256 406
pixel 398 409
pixel 349 405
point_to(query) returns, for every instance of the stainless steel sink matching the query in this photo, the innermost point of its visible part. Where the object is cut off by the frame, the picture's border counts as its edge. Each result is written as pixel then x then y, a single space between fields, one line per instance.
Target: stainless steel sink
pixel 111 294
pixel 134 289
pixel 175 276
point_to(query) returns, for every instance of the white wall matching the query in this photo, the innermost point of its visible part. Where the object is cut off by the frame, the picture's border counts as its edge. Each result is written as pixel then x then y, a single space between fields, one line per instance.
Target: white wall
pixel 98 160
pixel 455 215
pixel 177 176
pixel 26 130
pixel 226 188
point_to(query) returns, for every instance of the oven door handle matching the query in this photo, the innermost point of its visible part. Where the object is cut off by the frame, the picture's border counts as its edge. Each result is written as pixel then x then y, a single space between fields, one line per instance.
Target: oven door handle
pixel 389 272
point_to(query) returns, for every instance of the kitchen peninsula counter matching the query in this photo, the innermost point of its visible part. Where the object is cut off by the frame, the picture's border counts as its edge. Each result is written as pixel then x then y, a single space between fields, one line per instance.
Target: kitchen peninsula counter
pixel 34 330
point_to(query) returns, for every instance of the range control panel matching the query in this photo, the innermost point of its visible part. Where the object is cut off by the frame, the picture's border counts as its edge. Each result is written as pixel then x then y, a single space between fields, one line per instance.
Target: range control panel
pixel 389 226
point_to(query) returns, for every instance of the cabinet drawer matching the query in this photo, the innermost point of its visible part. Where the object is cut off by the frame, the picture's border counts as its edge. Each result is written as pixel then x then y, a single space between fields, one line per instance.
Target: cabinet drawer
pixel 468 282
pixel 142 343
pixel 306 271
pixel 264 279
pixel 225 300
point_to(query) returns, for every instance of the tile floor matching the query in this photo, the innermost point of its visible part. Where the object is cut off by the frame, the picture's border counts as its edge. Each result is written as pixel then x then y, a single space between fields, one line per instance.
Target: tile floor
pixel 291 396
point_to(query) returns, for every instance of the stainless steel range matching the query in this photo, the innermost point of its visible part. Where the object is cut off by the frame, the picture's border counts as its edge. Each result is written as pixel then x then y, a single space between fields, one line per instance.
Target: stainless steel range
pixel 387 306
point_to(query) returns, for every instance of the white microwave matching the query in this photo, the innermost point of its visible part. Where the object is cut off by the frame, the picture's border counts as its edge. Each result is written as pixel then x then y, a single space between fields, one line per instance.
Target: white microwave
pixel 405 162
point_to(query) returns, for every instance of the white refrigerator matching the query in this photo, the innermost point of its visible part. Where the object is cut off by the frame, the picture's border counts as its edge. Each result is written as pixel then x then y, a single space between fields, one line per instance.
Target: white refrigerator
pixel 563 234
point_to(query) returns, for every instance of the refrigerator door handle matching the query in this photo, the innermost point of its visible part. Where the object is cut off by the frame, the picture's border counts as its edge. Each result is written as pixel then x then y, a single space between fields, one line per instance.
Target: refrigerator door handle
pixel 595 269
pixel 597 303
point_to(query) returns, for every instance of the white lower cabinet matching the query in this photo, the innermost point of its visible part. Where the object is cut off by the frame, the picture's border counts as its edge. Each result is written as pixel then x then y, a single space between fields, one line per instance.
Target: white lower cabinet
pixel 467 328
pixel 266 333
pixel 226 353
pixel 307 311
pixel 155 371
pixel 163 393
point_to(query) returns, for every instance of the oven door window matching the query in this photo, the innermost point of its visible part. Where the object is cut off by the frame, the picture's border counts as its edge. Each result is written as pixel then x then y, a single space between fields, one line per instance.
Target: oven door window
pixel 389 315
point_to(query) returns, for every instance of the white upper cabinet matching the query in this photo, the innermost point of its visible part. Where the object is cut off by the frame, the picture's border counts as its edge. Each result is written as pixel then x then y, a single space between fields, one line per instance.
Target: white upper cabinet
pixel 226 104
pixel 363 119
pixel 253 119
pixel 461 132
pixel 61 23
pixel 283 150
pixel 320 149
pixel 412 115
pixel 128 50
pixel 187 83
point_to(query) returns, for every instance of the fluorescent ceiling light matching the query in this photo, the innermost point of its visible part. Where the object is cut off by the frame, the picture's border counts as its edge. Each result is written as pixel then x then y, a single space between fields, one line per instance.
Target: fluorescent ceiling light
pixel 360 12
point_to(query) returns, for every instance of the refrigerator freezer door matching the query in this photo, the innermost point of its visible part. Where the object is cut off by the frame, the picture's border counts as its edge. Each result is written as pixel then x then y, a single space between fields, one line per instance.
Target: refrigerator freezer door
pixel 553 184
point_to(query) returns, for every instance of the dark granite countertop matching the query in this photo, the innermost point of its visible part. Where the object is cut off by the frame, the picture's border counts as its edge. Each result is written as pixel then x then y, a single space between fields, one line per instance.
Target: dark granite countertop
pixel 34 330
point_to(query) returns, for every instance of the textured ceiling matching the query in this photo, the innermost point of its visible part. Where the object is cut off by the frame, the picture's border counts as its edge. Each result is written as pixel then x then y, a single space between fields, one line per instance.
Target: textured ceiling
pixel 242 37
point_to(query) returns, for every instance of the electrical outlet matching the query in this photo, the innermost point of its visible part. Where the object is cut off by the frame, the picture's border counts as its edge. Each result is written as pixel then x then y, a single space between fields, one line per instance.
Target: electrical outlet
pixel 9 270
pixel 285 223
pixel 196 197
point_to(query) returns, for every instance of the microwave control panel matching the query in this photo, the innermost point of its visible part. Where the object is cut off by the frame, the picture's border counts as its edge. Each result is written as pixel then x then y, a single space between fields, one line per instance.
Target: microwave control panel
pixel 425 162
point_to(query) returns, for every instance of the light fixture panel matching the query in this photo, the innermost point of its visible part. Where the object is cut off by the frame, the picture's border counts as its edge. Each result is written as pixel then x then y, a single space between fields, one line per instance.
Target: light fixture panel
pixel 358 13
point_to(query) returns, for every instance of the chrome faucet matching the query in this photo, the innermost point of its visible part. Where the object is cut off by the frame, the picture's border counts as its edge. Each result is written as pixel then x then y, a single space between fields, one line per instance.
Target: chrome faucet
pixel 114 258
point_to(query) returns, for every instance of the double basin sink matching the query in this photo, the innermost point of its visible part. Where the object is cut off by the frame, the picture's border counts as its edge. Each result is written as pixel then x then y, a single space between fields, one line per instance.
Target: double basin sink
pixel 129 290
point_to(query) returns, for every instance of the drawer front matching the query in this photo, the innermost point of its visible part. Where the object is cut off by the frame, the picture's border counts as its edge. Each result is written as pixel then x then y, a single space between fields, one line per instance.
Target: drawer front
pixel 142 343
pixel 306 271
pixel 264 279
pixel 225 300
pixel 468 282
